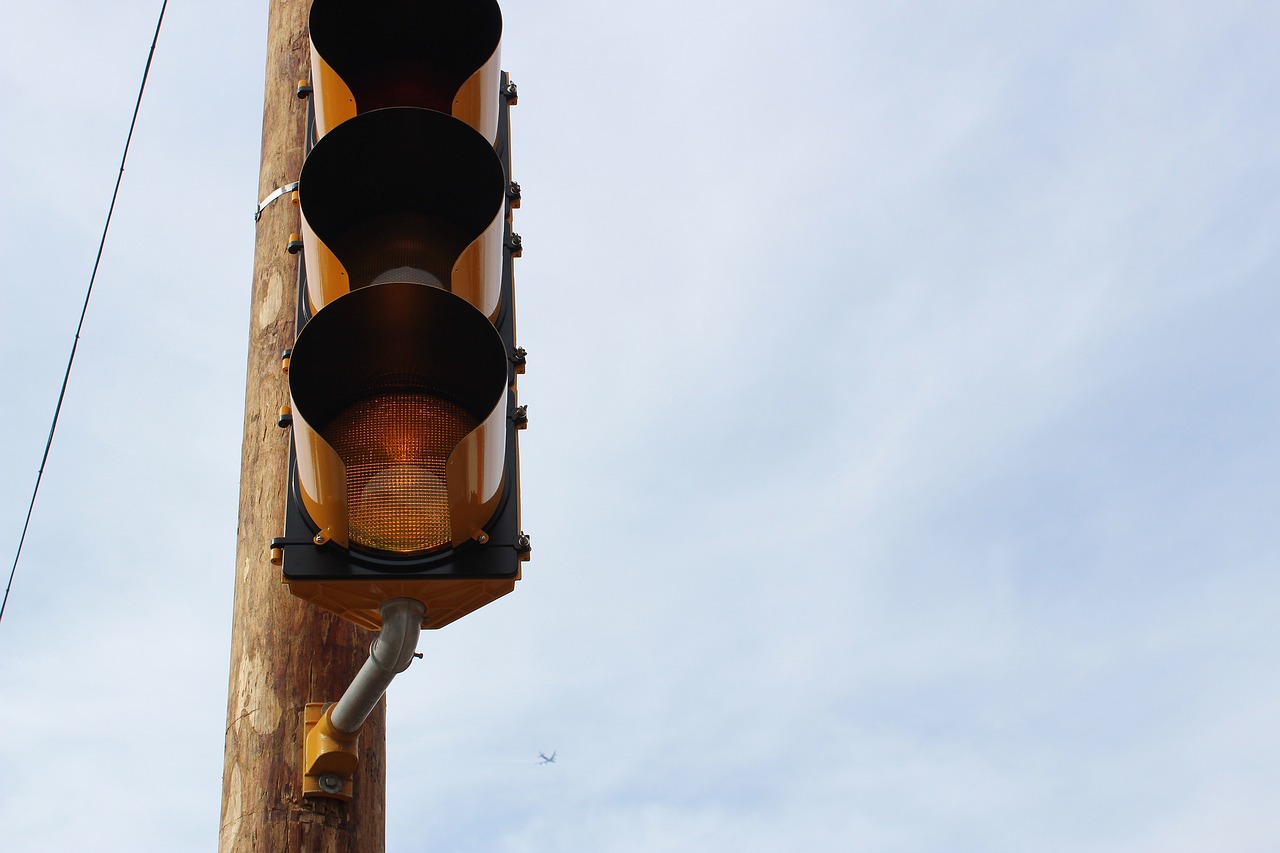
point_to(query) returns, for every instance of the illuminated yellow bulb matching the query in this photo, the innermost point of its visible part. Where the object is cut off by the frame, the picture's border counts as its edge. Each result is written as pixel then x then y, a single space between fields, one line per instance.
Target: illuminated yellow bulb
pixel 396 446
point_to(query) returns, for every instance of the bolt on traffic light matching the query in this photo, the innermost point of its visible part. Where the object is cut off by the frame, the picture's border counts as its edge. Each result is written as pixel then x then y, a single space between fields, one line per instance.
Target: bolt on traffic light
pixel 404 475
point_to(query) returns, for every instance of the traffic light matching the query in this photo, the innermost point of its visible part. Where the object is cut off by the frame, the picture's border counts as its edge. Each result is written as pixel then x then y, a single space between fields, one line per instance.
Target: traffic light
pixel 443 56
pixel 404 474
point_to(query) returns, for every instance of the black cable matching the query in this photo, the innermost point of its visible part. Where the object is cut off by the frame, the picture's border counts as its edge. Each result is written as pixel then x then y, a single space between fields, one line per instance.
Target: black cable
pixel 79 326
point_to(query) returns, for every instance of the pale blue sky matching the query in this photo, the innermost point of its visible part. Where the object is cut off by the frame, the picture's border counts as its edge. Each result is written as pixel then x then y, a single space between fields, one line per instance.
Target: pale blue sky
pixel 902 466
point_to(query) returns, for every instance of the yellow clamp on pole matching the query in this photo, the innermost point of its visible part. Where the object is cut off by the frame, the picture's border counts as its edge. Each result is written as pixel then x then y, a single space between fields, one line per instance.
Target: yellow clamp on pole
pixel 329 756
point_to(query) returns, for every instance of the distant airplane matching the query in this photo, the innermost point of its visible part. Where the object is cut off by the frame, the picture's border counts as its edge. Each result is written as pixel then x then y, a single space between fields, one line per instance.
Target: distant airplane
pixel 547 759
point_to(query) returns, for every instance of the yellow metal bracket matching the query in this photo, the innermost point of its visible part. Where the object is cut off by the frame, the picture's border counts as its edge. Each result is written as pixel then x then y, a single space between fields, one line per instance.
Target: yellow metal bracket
pixel 329 756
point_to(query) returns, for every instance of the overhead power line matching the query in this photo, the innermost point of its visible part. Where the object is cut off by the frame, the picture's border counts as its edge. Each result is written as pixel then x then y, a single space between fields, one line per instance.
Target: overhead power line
pixel 62 393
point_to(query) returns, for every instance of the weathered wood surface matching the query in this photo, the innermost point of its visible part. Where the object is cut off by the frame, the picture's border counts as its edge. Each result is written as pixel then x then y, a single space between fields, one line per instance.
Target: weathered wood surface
pixel 284 652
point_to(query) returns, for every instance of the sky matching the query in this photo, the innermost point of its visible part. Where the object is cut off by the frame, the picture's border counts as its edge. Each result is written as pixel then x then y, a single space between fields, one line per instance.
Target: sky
pixel 903 433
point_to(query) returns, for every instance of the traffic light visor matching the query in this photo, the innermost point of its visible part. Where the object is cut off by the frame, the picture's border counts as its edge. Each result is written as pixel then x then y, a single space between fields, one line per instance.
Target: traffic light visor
pixel 441 55
pixel 403 194
pixel 399 397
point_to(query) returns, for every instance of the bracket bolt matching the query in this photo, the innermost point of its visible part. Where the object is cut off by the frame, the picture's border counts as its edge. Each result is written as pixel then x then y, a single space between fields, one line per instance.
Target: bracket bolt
pixel 330 783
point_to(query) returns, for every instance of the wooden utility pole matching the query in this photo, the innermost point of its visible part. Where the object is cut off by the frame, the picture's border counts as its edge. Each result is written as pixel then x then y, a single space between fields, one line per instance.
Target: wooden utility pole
pixel 284 652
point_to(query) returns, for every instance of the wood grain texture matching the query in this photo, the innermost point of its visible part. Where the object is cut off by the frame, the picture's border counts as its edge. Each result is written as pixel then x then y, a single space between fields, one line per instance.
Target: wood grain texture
pixel 284 652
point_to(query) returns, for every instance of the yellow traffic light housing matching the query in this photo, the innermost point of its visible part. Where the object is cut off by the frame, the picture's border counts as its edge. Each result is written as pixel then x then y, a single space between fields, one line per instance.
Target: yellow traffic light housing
pixel 404 467
pixel 404 194
pixel 399 401
pixel 443 56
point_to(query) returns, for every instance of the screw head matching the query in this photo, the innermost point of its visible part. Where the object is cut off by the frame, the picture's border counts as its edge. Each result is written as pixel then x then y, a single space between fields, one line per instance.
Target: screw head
pixel 330 783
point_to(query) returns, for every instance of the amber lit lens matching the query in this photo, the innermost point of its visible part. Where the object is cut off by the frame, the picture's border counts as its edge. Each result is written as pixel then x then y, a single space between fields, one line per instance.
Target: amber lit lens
pixel 395 447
